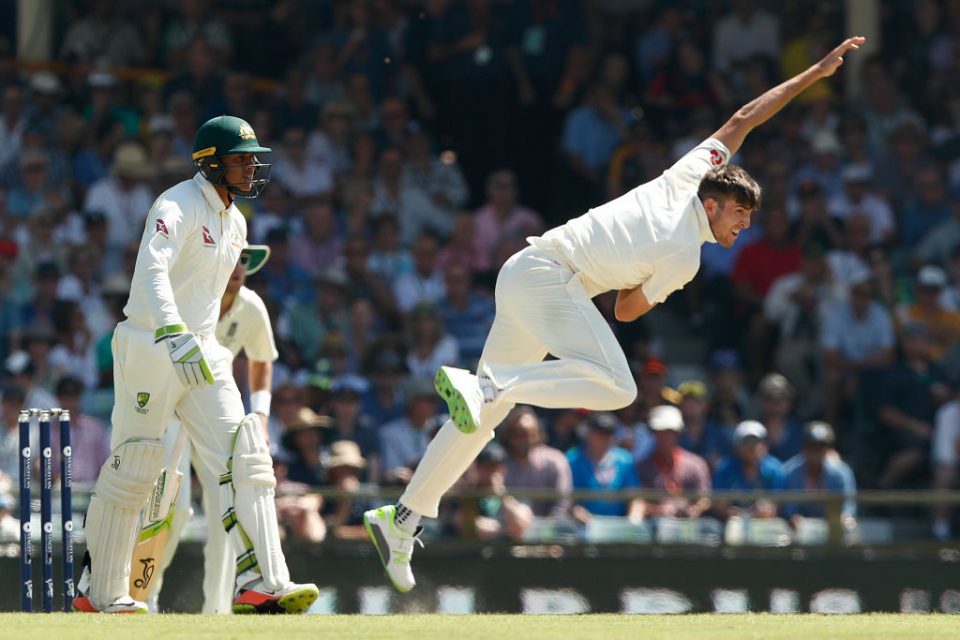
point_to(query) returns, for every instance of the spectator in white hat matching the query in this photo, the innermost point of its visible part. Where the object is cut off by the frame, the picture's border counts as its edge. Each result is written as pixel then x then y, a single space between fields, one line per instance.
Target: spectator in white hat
pixel 672 468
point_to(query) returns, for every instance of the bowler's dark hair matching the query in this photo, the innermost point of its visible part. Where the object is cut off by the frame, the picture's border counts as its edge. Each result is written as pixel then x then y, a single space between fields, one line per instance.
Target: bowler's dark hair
pixel 730 181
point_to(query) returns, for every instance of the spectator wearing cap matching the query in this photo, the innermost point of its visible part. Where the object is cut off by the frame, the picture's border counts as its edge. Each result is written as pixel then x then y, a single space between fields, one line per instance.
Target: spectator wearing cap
pixel 858 341
pixel 345 466
pixel 303 438
pixel 350 423
pixel 942 325
pixel 825 166
pixel 598 465
pixel 673 469
pixel 89 437
pixel 701 434
pixel 795 308
pixel 858 197
pixel 749 468
pixel 818 467
pixel 928 208
pixel 775 402
pixel 385 369
pixel 123 194
pixel 652 390
pixel 531 464
pixel 498 513
pixel 912 391
pixel 105 104
pixel 403 441
pixel 429 346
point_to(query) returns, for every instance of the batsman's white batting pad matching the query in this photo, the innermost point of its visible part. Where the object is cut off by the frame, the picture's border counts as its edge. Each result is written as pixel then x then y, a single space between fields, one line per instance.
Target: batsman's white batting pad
pixel 252 481
pixel 125 482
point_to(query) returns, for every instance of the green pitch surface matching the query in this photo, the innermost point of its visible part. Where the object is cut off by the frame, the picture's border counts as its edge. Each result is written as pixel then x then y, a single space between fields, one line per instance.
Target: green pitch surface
pixel 62 626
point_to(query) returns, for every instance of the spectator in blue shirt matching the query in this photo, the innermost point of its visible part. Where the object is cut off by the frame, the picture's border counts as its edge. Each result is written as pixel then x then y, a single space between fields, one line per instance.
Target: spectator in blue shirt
pixel 467 314
pixel 750 468
pixel 598 465
pixel 819 468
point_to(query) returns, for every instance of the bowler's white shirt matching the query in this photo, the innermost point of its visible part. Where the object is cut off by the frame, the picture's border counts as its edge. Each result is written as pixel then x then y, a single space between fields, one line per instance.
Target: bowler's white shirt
pixel 190 246
pixel 246 327
pixel 649 236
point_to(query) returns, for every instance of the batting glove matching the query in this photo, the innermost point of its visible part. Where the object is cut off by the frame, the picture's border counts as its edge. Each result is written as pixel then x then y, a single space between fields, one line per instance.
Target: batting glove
pixel 188 360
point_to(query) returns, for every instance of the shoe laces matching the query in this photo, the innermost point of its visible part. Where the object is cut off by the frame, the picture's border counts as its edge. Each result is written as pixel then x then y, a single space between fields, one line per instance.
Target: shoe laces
pixel 487 388
pixel 404 549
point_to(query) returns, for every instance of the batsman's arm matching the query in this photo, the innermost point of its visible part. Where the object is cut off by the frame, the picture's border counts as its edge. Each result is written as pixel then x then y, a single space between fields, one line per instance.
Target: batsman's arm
pixel 260 375
pixel 761 109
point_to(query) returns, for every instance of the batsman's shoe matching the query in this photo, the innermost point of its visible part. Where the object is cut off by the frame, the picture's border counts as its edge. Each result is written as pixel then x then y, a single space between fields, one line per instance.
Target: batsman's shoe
pixel 463 395
pixel 294 598
pixel 393 545
pixel 123 604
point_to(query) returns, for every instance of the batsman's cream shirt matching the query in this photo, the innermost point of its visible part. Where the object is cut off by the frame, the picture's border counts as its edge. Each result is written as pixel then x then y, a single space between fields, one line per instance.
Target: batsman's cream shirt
pixel 649 236
pixel 190 245
pixel 246 327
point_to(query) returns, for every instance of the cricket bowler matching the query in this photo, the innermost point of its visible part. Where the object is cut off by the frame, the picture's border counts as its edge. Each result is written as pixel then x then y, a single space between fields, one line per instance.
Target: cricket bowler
pixel 644 244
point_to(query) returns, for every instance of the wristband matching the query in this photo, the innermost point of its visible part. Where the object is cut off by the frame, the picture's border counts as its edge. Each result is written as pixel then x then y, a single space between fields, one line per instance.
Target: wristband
pixel 260 402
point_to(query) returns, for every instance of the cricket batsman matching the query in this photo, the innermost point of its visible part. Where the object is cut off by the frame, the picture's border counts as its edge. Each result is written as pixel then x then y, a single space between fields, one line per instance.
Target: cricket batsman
pixel 166 359
pixel 645 244
pixel 244 325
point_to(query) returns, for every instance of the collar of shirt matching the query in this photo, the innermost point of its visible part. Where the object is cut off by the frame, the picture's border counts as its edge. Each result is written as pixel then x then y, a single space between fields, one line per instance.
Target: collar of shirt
pixel 706 233
pixel 210 193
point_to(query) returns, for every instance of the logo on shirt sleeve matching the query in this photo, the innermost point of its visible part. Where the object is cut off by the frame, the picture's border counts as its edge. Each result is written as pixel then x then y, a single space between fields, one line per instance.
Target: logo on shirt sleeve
pixel 716 158
pixel 207 238
pixel 161 228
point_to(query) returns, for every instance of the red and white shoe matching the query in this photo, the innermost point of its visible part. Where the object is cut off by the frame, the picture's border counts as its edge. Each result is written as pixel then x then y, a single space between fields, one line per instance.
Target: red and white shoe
pixel 294 598
pixel 123 604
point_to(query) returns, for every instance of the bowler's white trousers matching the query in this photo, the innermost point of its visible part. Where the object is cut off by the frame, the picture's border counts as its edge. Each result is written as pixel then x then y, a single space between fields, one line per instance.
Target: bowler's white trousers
pixel 542 307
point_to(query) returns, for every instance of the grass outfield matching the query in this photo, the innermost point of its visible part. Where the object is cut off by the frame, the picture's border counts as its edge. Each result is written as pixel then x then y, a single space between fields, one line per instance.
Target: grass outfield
pixel 759 626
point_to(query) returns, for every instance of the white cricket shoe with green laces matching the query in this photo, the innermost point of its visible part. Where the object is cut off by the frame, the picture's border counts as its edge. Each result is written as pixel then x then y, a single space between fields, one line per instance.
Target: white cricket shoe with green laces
pixel 393 545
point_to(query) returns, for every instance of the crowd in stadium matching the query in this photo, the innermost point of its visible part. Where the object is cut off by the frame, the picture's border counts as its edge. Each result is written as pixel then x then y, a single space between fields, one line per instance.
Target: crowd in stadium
pixel 416 146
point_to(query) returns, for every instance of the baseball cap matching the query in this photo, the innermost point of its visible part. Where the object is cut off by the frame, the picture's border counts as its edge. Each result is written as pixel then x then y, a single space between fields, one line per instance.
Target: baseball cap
pixel 45 82
pixel 825 141
pixel 602 421
pixel 725 360
pixel 747 429
pixel 693 389
pixel 492 453
pixel 349 383
pixel 665 418
pixel 654 366
pixel 775 383
pixel 932 276
pixel 859 172
pixel 818 432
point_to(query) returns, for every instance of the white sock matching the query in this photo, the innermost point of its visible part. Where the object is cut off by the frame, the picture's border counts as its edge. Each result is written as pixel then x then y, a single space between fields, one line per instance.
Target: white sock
pixel 407 519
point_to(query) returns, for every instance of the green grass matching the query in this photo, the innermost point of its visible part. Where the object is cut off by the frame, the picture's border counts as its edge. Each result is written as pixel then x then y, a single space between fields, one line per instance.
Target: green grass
pixel 758 626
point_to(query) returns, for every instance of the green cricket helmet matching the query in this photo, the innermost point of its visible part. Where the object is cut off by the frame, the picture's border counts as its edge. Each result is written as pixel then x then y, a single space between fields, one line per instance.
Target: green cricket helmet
pixel 228 135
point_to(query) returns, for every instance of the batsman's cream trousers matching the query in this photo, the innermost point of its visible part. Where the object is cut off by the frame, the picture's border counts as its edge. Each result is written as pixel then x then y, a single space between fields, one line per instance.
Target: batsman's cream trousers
pixel 209 413
pixel 543 306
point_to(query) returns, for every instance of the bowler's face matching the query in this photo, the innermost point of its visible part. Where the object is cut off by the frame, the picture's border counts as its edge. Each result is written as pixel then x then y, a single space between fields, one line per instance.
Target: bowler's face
pixel 727 220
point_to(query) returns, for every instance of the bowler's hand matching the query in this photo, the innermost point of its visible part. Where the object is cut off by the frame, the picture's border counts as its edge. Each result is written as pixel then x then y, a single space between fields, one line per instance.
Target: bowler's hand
pixel 832 61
